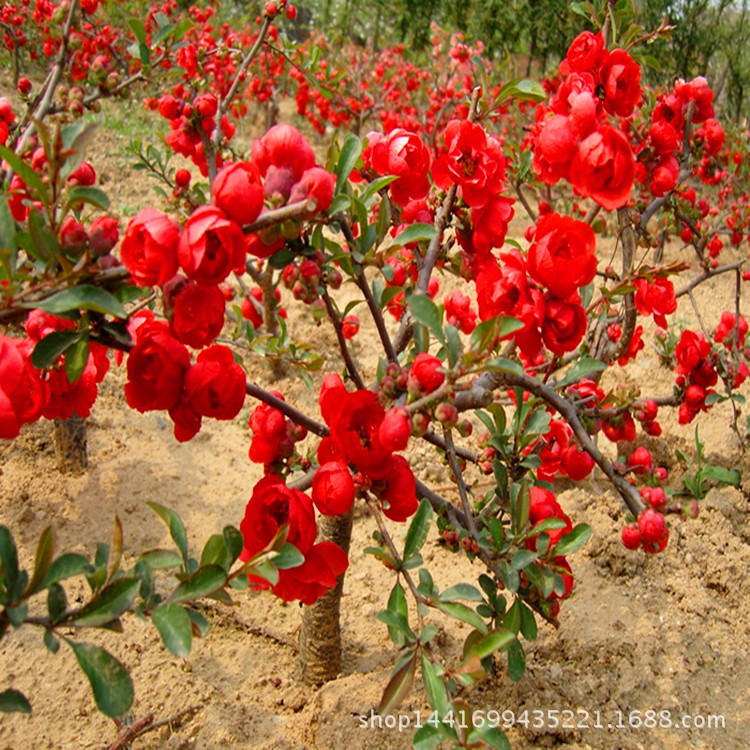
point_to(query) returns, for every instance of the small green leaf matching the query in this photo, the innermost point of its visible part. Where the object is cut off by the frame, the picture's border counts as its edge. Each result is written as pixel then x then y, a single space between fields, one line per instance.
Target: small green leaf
pixel 110 681
pixel 52 643
pixel 426 312
pixel 516 661
pixel 176 527
pixel 203 582
pixel 26 173
pixel 419 527
pixel 461 612
pixel 350 153
pixel 427 737
pixel 13 701
pixel 462 591
pixel 175 628
pixel 583 368
pixel 528 623
pixel 397 621
pixel 397 604
pixel 198 622
pixel 417 232
pixel 43 561
pixel 111 602
pixel 573 540
pixel 215 552
pixel 435 688
pixel 523 558
pixel 47 350
pixel 138 28
pixel 494 641
pixel 484 337
pixel 57 602
pixel 9 564
pixel 76 358
pixel 234 542
pixel 91 195
pixel 523 90
pixel 720 474
pixel 158 559
pixel 288 557
pixel 398 686
pixel 83 297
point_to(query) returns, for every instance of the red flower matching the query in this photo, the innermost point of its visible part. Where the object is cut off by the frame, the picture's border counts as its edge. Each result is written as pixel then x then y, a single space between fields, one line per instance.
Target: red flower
pixel 157 365
pixel 316 184
pixel 395 429
pixel 664 175
pixel 564 325
pixel 425 375
pixel 691 349
pixel 652 526
pixel 271 440
pixel 215 384
pixel 621 80
pixel 238 192
pixel 333 488
pixel 473 160
pixel 490 223
pixel 103 234
pixel 397 490
pixel 282 156
pixel 273 505
pixel 563 255
pixel 198 314
pixel 211 246
pixel 544 505
pixel 657 298
pixel 355 428
pixel 149 248
pixel 22 392
pixel 604 168
pixel 458 311
pixel 585 52
pixel 405 155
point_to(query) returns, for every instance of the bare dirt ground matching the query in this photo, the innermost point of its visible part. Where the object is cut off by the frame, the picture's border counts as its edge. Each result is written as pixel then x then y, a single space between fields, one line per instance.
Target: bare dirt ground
pixel 668 632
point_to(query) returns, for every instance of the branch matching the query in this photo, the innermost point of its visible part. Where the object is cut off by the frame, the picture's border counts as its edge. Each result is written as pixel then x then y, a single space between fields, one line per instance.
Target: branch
pixel 343 346
pixel 481 394
pixel 288 410
pixel 707 274
pixel 277 215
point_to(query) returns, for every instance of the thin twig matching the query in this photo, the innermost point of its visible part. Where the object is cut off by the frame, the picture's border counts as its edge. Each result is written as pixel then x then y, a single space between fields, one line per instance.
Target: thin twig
pixel 338 328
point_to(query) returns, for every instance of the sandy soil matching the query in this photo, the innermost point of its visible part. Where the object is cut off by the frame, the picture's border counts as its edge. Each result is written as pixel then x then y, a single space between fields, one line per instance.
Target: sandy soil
pixel 664 633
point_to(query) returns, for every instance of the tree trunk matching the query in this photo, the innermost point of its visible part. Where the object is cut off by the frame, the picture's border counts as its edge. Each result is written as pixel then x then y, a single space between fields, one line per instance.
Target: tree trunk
pixel 320 636
pixel 71 445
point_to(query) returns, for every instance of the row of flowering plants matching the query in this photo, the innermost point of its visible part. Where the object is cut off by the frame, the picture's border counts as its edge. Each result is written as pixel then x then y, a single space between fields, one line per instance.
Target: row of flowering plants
pixel 502 373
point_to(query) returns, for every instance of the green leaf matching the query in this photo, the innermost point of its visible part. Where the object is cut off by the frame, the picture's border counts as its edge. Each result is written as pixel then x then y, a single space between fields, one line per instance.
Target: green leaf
pixel 720 474
pixel 111 602
pixel 47 350
pixel 26 173
pixel 77 357
pixel 463 591
pixel 426 312
pixel 138 28
pixel 398 686
pixel 417 232
pixel 488 735
pixel 57 602
pixel 583 368
pixel 13 701
pixel 427 737
pixel 522 89
pixel 528 623
pixel 110 681
pixel 484 337
pixel 9 564
pixel 419 527
pixel 234 542
pixel 435 688
pixel 83 297
pixel 8 242
pixel 43 561
pixel 198 622
pixel 288 557
pixel 45 245
pixel 176 527
pixel 573 540
pixel 158 559
pixel 397 604
pixel 516 661
pixel 397 621
pixel 175 628
pixel 494 641
pixel 350 153
pixel 52 644
pixel 203 582
pixel 215 552
pixel 91 195
pixel 523 558
pixel 461 612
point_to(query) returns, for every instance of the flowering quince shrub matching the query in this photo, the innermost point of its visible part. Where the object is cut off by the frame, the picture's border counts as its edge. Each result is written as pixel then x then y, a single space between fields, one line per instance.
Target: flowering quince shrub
pixel 502 375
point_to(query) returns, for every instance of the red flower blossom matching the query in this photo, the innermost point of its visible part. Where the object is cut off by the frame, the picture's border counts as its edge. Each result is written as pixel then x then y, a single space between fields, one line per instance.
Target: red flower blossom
pixel 473 160
pixel 316 184
pixel 157 365
pixel 272 440
pixel 397 489
pixel 22 392
pixel 657 298
pixel 563 254
pixel 198 314
pixel 238 192
pixel 211 246
pixel 405 155
pixel 564 325
pixel 585 52
pixel 333 488
pixel 282 156
pixel 621 81
pixel 425 375
pixel 604 168
pixel 149 248
pixel 215 384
